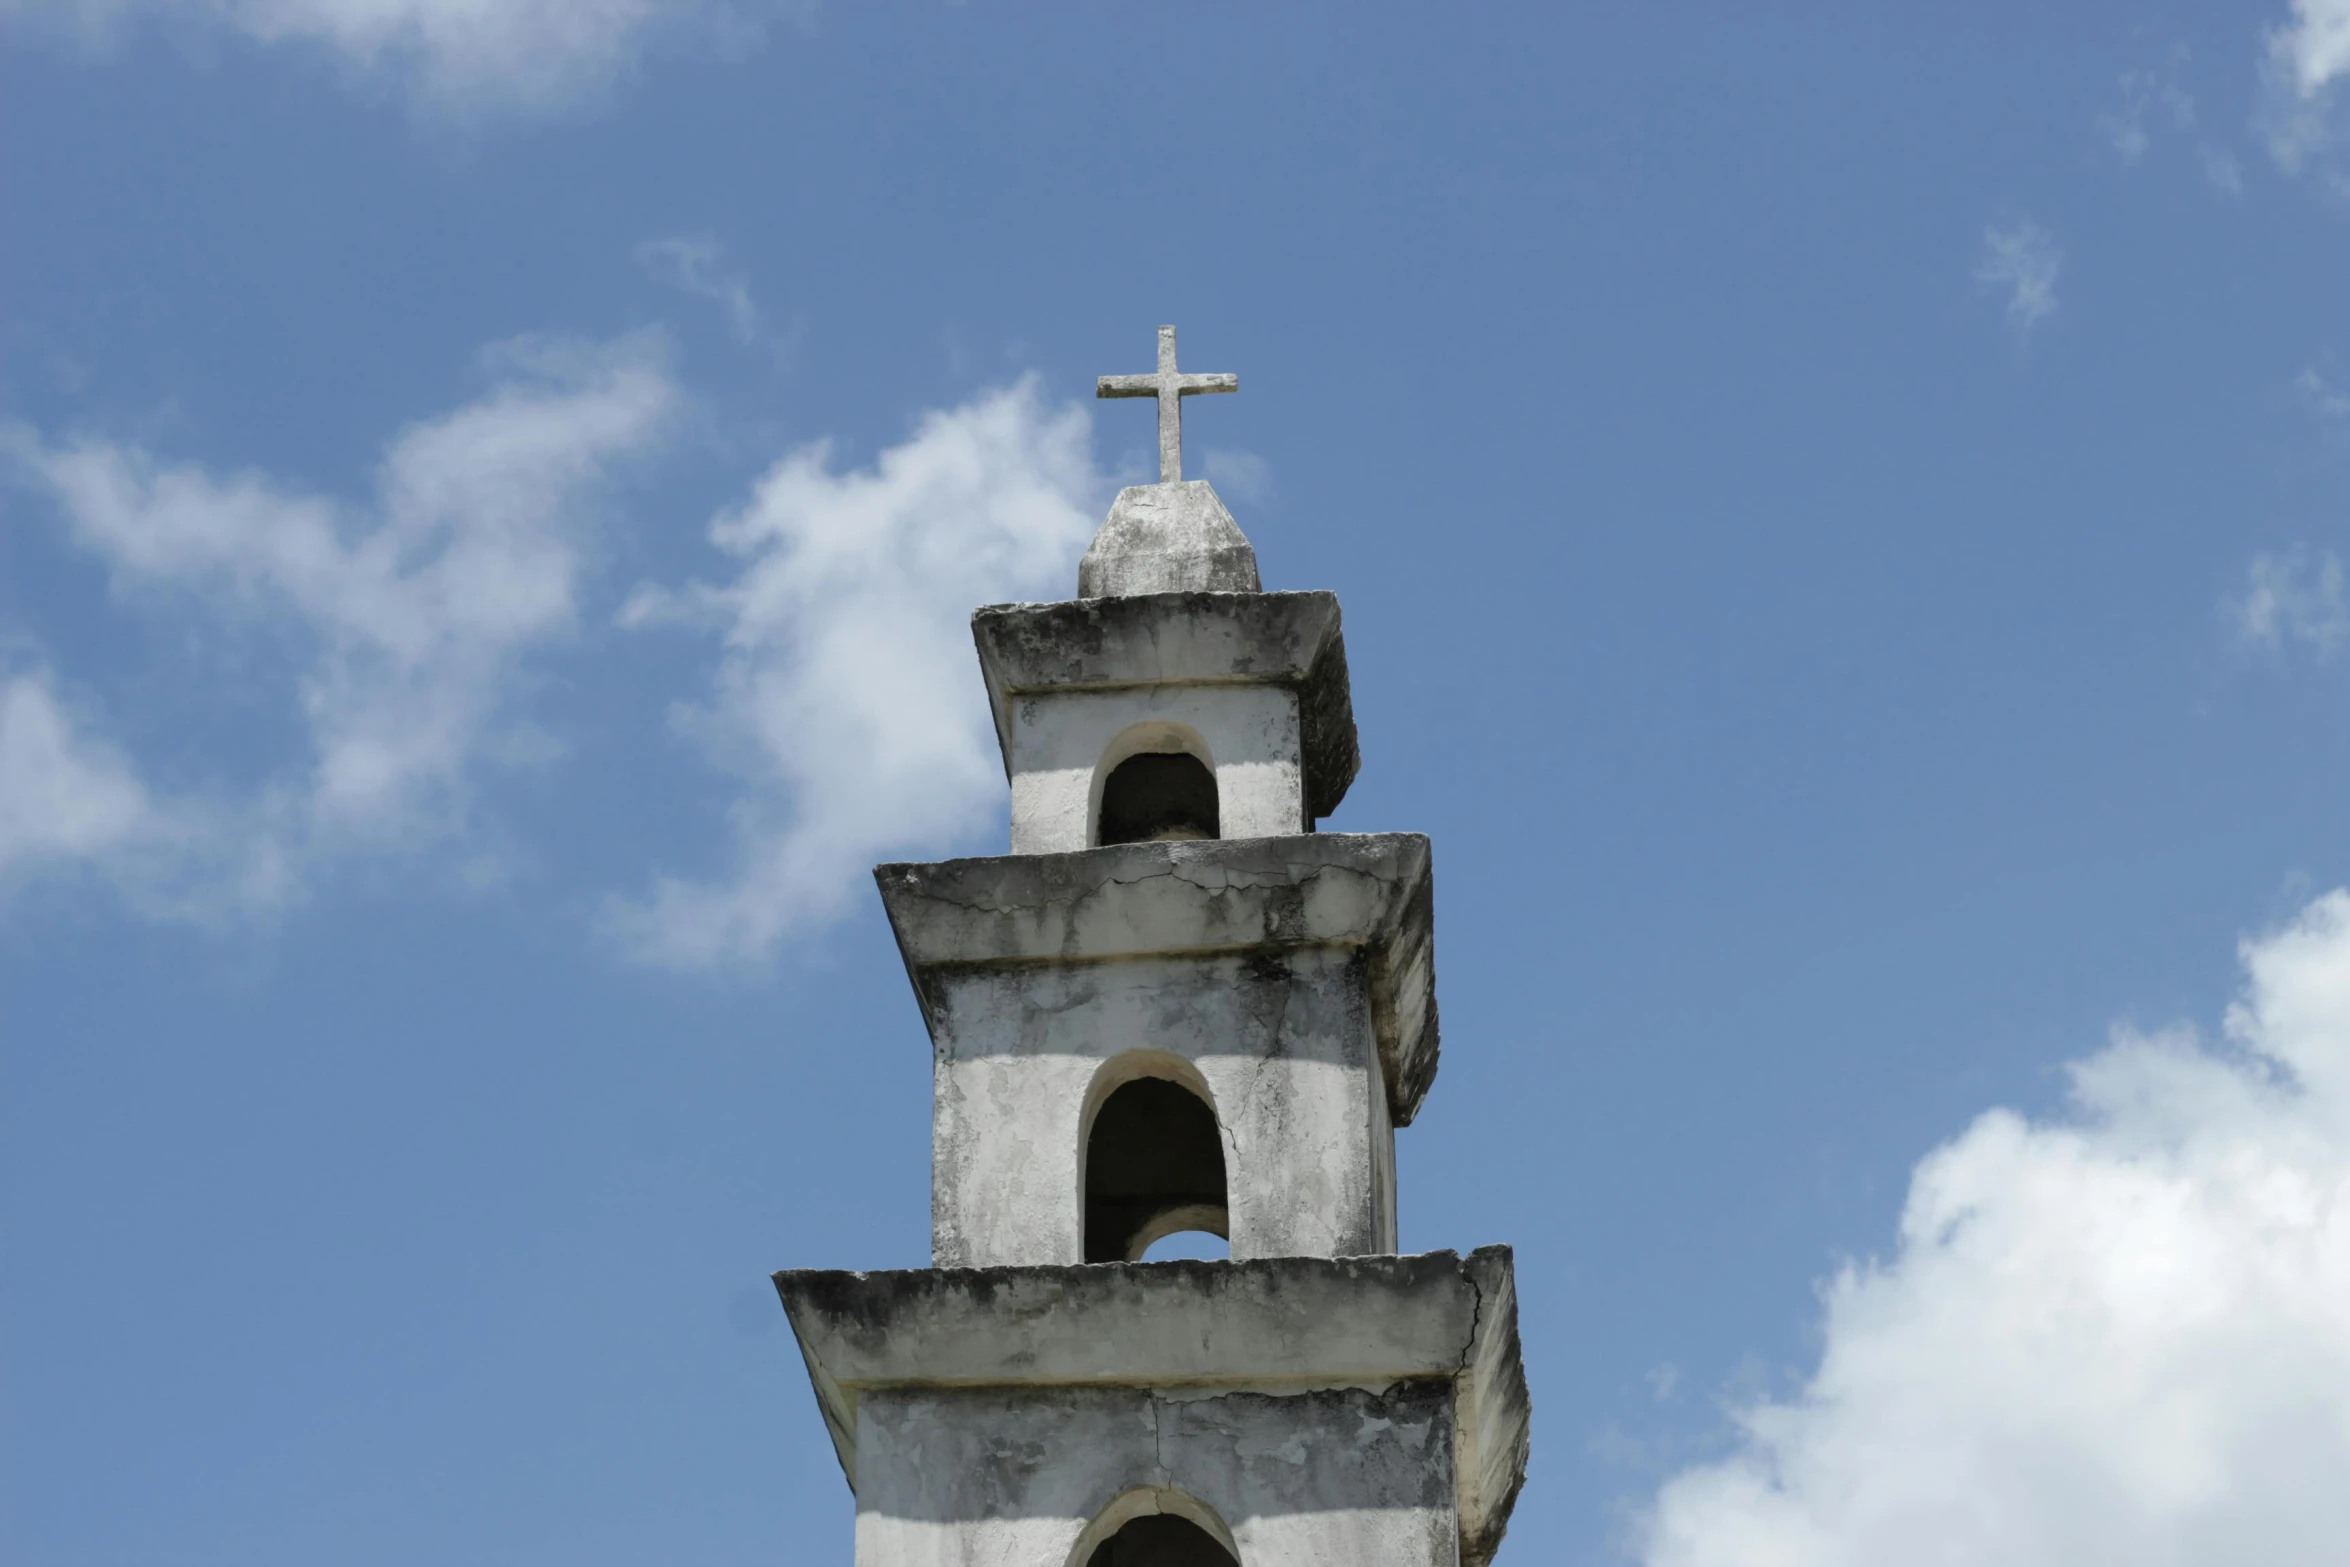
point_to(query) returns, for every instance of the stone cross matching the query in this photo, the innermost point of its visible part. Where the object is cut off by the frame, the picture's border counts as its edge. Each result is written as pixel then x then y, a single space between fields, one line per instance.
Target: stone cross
pixel 1170 389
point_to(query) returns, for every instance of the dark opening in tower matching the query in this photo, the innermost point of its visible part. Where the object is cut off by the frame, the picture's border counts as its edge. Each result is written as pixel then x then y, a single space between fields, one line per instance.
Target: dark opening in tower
pixel 1154 1166
pixel 1159 795
pixel 1161 1540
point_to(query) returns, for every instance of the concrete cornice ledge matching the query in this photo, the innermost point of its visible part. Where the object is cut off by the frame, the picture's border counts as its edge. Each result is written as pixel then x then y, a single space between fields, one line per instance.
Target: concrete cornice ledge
pixel 1275 1324
pixel 1098 644
pixel 1369 891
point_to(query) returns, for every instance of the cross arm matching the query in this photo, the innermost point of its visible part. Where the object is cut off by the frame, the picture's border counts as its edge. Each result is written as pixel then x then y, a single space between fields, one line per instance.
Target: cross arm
pixel 1154 385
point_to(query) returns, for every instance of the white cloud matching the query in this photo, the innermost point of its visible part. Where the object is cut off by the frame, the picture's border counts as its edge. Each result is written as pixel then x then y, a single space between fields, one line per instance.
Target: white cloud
pixel 847 698
pixel 2024 261
pixel 2315 47
pixel 72 803
pixel 411 615
pixel 2306 58
pixel 2122 1336
pixel 2294 599
pixel 530 54
pixel 695 264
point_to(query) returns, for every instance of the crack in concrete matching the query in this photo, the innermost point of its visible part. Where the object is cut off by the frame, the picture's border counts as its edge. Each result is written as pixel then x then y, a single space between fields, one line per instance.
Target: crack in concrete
pixel 1476 1314
pixel 1158 1446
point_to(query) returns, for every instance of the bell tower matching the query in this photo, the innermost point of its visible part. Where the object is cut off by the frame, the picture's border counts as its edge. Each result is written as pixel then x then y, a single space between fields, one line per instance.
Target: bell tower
pixel 1174 1006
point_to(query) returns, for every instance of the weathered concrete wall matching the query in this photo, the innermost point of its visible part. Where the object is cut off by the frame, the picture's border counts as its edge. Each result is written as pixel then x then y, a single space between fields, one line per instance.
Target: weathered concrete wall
pixel 1062 746
pixel 1290 1062
pixel 997 1477
pixel 1371 893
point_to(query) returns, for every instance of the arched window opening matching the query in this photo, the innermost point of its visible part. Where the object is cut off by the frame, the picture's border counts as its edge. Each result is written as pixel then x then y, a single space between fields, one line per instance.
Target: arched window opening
pixel 1154 1166
pixel 1154 796
pixel 1161 1540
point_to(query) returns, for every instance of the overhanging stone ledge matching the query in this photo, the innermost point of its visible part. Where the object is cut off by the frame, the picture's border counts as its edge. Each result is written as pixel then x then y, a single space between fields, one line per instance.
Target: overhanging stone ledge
pixel 1369 891
pixel 1284 1324
pixel 1286 639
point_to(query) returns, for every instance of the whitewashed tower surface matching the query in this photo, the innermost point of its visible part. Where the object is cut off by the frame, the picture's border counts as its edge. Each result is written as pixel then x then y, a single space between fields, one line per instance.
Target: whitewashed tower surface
pixel 1173 1006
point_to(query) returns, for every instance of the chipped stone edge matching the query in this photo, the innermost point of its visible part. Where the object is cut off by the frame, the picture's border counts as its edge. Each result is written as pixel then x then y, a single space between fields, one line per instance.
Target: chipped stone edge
pixel 1491 1398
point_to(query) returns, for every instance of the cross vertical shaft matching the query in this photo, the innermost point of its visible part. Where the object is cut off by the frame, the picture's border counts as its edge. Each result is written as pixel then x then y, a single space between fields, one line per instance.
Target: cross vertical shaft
pixel 1170 411
pixel 1170 387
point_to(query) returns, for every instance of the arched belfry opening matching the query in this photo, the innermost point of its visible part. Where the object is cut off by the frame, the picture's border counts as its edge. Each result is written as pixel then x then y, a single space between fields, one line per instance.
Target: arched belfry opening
pixel 1154 1163
pixel 1155 1526
pixel 1161 1540
pixel 1154 796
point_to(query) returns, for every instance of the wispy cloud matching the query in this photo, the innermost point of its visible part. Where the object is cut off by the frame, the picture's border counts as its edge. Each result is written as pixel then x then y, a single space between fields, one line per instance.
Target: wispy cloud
pixel 2149 100
pixel 452 55
pixel 408 616
pixel 846 698
pixel 2023 261
pixel 2152 106
pixel 696 264
pixel 2329 402
pixel 2123 1335
pixel 68 796
pixel 2293 601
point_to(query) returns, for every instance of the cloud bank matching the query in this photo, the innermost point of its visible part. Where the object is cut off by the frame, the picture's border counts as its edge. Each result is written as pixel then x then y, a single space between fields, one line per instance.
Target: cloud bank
pixel 847 698
pixel 844 698
pixel 2123 1336
pixel 532 55
pixel 411 616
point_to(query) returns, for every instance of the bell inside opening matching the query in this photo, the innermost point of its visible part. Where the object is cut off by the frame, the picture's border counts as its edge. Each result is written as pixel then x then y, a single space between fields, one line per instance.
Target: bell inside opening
pixel 1154 1167
pixel 1157 796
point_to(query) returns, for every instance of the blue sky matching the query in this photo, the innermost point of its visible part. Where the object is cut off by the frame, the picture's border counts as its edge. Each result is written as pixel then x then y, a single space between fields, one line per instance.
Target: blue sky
pixel 1840 519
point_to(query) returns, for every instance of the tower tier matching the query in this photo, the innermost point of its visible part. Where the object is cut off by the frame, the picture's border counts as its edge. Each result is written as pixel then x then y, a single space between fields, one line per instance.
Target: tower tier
pixel 1182 1035
pixel 1251 686
pixel 1370 1410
